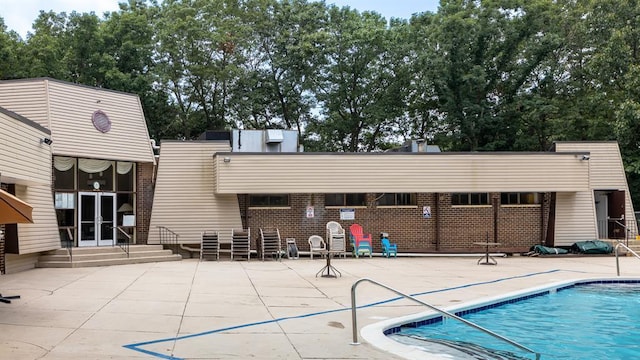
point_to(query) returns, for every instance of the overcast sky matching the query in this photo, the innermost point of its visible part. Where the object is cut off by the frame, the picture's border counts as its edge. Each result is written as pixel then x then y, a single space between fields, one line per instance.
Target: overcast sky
pixel 19 15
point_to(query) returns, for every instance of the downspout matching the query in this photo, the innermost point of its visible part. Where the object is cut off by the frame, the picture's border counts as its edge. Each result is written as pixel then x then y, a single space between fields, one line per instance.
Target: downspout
pixel 437 214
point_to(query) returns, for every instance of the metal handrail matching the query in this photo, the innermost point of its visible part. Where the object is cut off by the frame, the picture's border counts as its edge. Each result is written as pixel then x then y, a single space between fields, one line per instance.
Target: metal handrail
pixel 124 245
pixel 68 244
pixel 618 260
pixel 626 231
pixel 168 237
pixel 443 312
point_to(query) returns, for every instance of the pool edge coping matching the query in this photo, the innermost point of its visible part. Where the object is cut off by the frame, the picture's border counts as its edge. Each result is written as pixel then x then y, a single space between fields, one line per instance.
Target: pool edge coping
pixel 375 334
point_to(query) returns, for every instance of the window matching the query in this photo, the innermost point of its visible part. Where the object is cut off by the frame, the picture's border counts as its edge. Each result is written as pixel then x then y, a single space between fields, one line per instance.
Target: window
pixel 396 199
pixel 356 199
pixel 519 198
pixel 269 200
pixel 470 199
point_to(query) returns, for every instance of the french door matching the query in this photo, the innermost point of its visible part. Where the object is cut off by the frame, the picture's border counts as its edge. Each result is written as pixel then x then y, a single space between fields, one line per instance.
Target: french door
pixel 96 219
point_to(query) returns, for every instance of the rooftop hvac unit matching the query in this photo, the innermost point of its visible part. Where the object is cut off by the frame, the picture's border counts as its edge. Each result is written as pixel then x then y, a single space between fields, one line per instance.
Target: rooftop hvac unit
pixel 274 136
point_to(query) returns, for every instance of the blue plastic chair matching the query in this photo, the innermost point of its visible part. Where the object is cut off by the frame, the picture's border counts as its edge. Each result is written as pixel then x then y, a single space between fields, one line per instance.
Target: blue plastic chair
pixel 388 248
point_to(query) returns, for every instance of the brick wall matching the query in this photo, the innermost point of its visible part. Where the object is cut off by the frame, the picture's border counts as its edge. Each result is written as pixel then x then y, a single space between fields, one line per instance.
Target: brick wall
pixel 450 228
pixel 144 200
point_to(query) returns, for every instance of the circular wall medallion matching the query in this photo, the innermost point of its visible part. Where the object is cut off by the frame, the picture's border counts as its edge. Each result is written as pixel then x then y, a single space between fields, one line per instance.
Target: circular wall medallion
pixel 101 121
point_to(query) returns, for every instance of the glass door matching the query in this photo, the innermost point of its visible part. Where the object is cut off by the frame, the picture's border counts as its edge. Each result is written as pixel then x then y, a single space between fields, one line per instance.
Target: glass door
pixel 96 219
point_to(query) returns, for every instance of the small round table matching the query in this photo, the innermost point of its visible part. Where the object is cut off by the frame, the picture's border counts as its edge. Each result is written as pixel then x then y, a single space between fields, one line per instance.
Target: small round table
pixel 487 259
pixel 329 270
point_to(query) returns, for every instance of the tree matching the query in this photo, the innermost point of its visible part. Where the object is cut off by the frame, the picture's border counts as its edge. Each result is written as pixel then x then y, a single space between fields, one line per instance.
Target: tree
pixel 277 86
pixel 361 85
pixel 481 59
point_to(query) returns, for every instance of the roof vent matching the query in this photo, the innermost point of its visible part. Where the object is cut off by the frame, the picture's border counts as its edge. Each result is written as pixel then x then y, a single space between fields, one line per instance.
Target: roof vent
pixel 274 136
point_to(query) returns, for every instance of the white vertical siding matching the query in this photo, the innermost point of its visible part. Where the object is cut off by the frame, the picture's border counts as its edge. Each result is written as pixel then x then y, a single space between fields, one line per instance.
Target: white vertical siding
pixel 606 171
pixel 184 199
pixel 23 159
pixel 73 133
pixel 17 263
pixel 27 98
pixel 575 214
pixel 396 172
pixel 42 235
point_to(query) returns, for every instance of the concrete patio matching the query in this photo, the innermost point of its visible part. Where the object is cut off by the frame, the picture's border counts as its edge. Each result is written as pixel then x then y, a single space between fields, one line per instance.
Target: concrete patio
pixel 262 310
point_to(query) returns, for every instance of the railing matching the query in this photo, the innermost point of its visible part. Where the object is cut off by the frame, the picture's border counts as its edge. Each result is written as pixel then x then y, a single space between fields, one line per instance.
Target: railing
pixel 443 312
pixel 68 244
pixel 626 248
pixel 617 229
pixel 124 245
pixel 168 238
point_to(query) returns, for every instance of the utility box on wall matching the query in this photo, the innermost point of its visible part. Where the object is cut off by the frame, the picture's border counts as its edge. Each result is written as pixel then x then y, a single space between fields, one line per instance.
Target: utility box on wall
pixel 271 140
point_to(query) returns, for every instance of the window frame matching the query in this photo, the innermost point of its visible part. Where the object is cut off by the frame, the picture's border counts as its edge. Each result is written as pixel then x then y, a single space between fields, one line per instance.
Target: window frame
pixel 347 200
pixel 515 199
pixel 399 200
pixel 271 202
pixel 470 199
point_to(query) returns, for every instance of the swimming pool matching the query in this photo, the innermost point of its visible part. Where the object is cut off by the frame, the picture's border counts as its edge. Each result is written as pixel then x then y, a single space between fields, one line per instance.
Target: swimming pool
pixel 584 319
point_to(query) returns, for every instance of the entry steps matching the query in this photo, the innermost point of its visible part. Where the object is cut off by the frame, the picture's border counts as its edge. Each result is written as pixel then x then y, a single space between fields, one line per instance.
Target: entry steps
pixel 105 256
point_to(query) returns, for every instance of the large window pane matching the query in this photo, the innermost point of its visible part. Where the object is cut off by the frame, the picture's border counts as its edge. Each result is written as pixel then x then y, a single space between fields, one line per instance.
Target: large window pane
pixel 355 200
pixel 333 199
pixel 125 176
pixel 65 179
pixel 470 199
pixel 269 200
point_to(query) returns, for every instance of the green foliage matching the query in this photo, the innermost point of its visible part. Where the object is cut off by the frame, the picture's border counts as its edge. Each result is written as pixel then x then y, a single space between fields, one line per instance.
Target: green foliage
pixel 477 75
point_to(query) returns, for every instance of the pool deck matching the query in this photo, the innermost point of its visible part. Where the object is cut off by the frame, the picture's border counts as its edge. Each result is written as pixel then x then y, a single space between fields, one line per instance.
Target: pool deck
pixel 262 310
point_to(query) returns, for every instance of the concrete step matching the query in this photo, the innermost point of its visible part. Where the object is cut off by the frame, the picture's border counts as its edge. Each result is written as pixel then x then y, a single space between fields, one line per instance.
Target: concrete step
pixel 105 256
pixel 104 249
pixel 107 262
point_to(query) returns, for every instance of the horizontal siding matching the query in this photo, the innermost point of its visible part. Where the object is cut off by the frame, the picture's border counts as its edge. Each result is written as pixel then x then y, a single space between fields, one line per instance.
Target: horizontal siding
pixel 42 235
pixel 27 98
pixel 73 133
pixel 17 263
pixel 23 159
pixel 184 200
pixel 308 172
pixel 575 218
pixel 606 170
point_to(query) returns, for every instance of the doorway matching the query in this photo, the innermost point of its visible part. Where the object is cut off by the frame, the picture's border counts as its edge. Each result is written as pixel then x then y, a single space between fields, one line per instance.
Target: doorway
pixel 610 205
pixel 96 215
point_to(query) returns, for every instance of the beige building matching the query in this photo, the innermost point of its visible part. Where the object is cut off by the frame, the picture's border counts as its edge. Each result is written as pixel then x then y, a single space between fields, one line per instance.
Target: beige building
pixel 86 180
pixel 576 192
pixel 83 158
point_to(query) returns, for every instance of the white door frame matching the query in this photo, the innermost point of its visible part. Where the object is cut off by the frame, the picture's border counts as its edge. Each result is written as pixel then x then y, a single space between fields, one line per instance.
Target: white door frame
pixel 98 226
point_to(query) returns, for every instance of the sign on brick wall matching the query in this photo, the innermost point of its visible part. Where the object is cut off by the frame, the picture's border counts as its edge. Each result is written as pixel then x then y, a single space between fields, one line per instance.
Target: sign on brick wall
pixel 426 212
pixel 347 214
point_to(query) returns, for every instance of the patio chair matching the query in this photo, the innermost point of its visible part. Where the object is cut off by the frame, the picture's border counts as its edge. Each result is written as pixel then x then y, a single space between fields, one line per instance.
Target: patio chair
pixel 361 242
pixel 210 246
pixel 317 245
pixel 270 243
pixel 336 238
pixel 240 244
pixel 388 248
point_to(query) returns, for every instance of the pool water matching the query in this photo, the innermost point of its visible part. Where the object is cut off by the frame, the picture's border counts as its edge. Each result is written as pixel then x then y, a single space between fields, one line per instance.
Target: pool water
pixel 592 321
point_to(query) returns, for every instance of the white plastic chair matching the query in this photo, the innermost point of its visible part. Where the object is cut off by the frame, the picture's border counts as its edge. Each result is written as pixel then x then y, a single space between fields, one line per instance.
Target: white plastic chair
pixel 317 245
pixel 337 238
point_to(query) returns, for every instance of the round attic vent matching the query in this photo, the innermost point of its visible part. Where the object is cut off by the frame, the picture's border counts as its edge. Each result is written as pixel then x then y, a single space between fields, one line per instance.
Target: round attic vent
pixel 101 121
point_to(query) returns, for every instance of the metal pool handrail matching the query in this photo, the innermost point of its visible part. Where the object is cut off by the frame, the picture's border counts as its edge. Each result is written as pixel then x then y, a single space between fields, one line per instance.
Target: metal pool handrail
pixel 443 312
pixel 618 260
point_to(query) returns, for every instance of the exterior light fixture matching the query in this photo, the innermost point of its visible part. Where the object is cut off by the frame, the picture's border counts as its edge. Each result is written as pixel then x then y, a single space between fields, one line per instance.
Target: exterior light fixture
pixel 227 159
pixel 46 140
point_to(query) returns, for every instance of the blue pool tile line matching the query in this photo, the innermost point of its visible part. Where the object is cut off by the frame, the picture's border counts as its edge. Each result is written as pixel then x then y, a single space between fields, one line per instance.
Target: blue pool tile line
pixel 439 318
pixel 138 346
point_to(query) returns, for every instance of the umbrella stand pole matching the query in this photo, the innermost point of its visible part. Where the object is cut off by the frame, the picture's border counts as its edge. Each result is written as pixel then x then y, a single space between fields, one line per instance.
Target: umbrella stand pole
pixel 7 299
